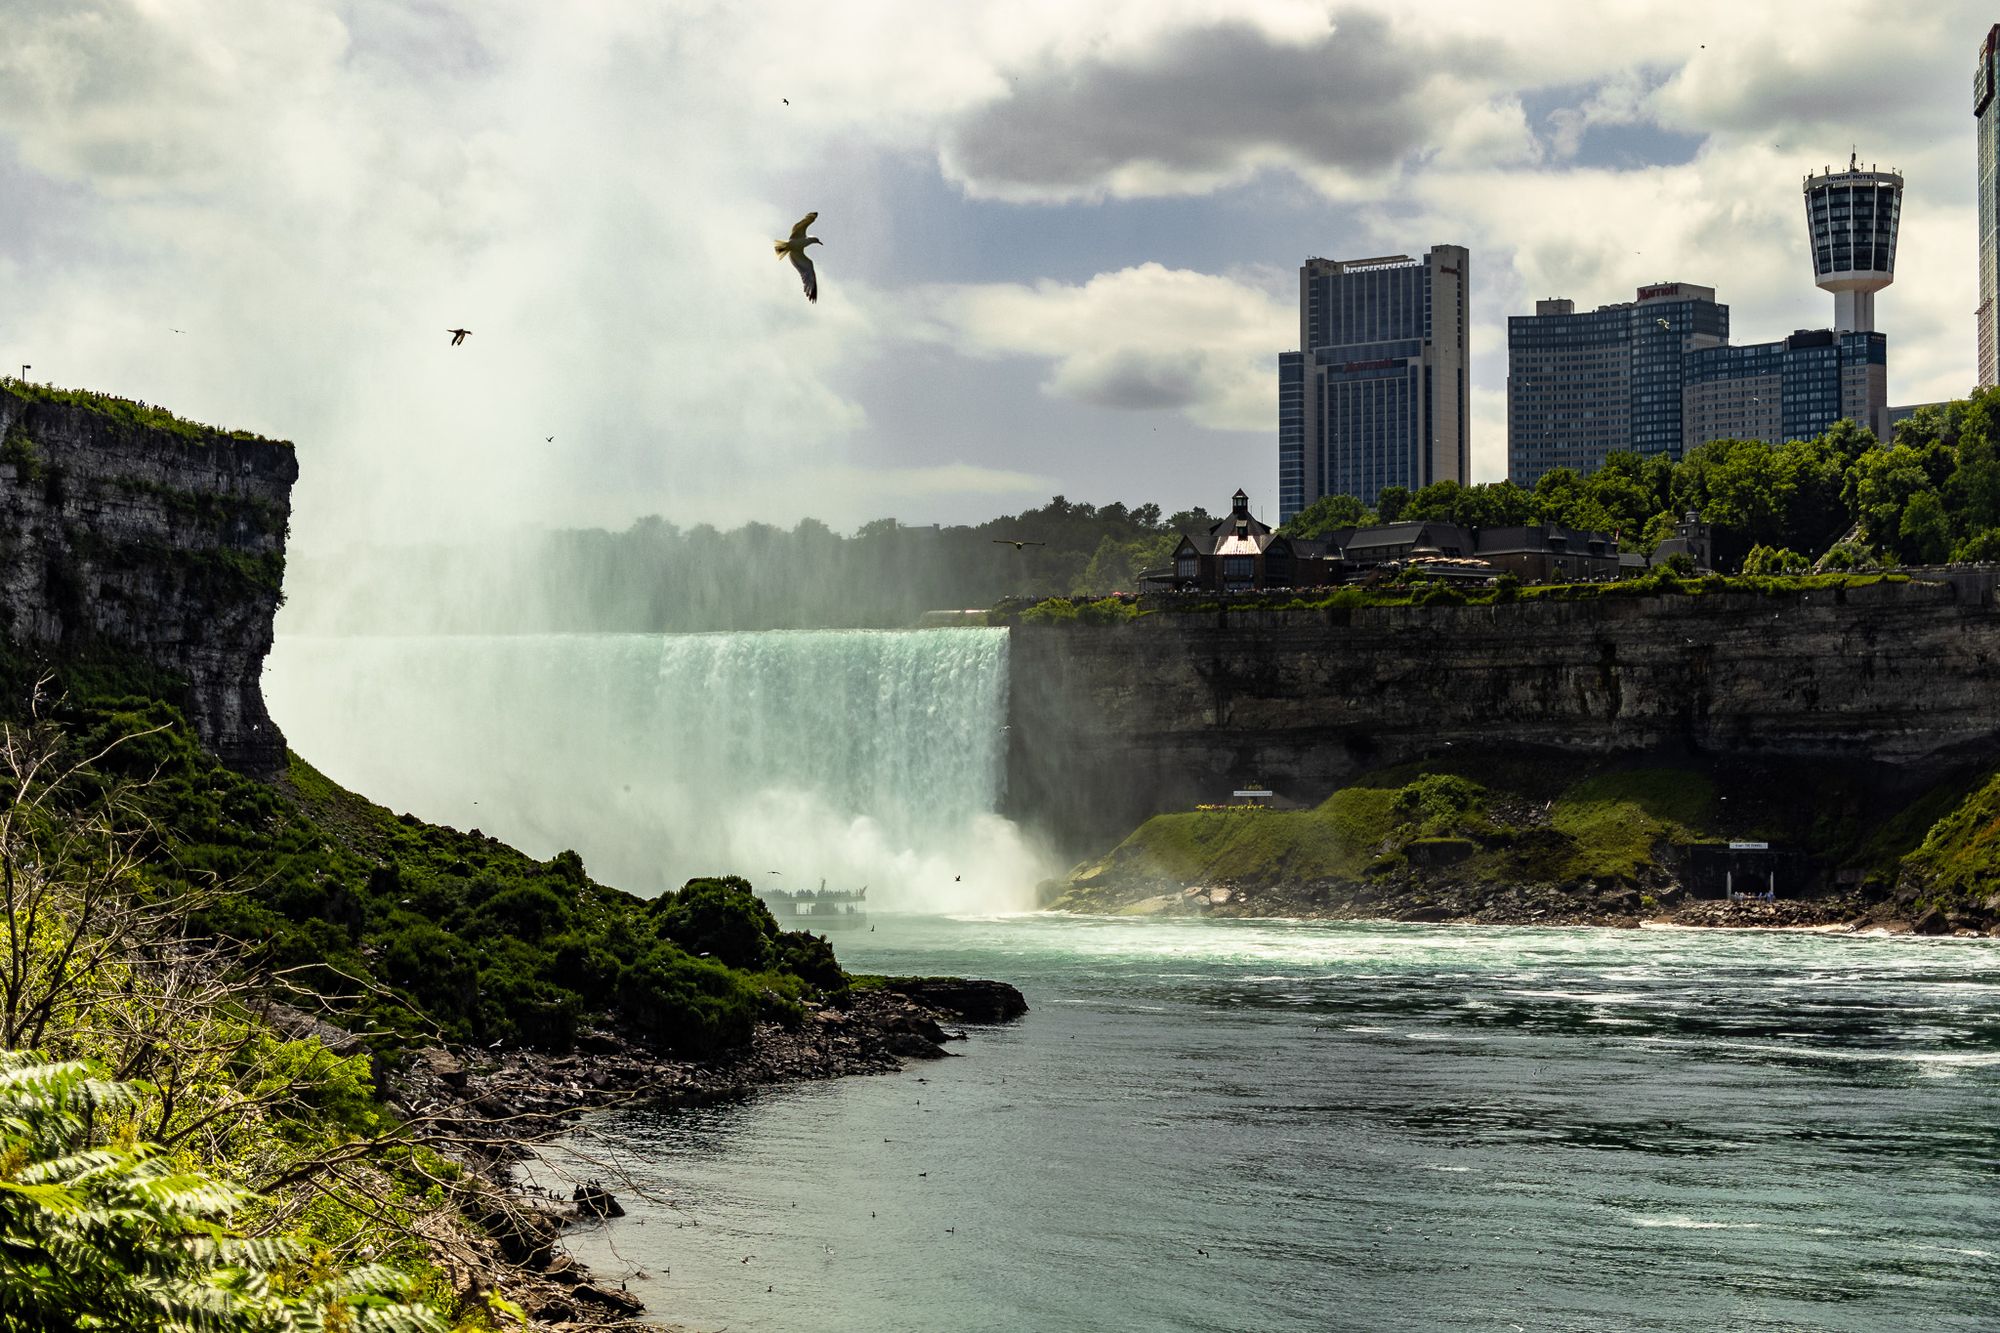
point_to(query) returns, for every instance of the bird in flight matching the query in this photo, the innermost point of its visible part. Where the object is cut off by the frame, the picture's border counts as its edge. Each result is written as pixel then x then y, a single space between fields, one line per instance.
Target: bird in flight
pixel 548 439
pixel 1663 324
pixel 1009 541
pixel 795 248
pixel 458 335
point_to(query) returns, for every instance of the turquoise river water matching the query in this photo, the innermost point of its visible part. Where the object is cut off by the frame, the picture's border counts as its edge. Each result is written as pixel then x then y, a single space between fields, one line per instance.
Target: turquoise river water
pixel 1274 1126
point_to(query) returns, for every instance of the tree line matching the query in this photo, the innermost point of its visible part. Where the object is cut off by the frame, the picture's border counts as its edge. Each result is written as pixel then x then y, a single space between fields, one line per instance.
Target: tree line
pixel 1931 495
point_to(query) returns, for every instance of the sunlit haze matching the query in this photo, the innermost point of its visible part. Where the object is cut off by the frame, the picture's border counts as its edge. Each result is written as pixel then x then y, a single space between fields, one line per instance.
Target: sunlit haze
pixel 1061 241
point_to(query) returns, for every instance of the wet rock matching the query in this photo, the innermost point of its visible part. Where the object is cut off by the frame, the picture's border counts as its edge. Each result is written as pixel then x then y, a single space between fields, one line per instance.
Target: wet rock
pixel 915 1047
pixel 1930 922
pixel 622 1301
pixel 593 1200
pixel 1427 912
pixel 968 1001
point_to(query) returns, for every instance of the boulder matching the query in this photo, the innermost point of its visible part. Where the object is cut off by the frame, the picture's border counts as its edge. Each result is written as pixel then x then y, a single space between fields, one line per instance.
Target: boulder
pixel 969 1001
pixel 593 1200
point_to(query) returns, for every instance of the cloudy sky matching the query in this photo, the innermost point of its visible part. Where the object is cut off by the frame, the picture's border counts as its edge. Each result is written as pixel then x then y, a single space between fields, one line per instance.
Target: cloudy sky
pixel 1061 238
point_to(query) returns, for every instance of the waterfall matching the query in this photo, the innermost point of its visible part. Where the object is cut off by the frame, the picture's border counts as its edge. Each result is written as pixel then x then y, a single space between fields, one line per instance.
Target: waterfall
pixel 858 756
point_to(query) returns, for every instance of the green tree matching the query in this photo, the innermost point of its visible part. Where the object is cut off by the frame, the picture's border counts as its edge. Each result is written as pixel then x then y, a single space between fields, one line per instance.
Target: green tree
pixel 1981 548
pixel 1879 486
pixel 1924 533
pixel 1495 504
pixel 1389 505
pixel 1770 560
pixel 1329 513
pixel 1564 497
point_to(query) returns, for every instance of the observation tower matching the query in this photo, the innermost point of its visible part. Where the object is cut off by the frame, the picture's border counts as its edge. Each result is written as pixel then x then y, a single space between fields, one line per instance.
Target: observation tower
pixel 1853 216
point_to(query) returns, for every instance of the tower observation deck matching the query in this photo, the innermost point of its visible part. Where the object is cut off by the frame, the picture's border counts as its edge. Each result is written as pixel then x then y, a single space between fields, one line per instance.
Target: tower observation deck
pixel 1853 215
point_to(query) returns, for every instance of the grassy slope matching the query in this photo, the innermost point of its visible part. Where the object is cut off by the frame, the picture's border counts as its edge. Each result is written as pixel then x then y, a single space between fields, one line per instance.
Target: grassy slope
pixel 422 930
pixel 1958 862
pixel 1538 821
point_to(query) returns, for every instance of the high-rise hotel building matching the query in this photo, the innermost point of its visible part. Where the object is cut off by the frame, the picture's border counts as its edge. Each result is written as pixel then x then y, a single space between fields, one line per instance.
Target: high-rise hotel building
pixel 1582 384
pixel 1376 395
pixel 1987 113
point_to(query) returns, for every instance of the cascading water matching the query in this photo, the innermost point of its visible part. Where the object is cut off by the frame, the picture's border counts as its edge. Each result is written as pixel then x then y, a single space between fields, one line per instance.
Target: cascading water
pixel 862 757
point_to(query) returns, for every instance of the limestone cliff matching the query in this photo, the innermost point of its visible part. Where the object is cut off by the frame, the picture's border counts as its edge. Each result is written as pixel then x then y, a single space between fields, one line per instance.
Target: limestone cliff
pixel 124 530
pixel 1113 723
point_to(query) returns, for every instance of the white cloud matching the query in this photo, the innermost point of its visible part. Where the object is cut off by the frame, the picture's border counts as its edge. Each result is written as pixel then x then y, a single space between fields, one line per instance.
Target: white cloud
pixel 315 191
pixel 1147 338
pixel 1207 105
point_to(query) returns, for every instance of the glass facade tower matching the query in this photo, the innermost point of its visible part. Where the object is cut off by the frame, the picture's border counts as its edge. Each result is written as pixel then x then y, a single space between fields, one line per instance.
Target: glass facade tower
pixel 1376 395
pixel 1792 389
pixel 1853 217
pixel 1582 384
pixel 1986 113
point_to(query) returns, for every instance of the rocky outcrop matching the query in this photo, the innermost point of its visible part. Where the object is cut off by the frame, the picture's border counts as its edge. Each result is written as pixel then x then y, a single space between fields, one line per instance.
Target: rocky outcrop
pixel 126 532
pixel 1113 723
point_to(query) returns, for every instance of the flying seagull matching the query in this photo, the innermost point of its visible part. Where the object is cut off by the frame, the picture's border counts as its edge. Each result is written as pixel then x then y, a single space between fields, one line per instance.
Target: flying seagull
pixel 458 335
pixel 1663 324
pixel 795 248
pixel 1009 541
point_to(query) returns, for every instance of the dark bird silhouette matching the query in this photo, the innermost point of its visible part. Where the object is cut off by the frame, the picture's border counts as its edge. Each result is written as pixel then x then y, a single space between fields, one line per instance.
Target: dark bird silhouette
pixel 1017 545
pixel 548 439
pixel 794 248
pixel 956 878
pixel 786 100
pixel 458 335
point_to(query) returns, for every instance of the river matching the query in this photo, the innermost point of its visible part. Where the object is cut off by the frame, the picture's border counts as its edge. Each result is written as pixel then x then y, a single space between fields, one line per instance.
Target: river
pixel 1210 1125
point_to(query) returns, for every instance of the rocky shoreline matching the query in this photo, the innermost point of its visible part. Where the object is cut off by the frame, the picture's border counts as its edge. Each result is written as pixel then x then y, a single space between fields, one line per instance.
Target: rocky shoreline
pixel 1590 904
pixel 499 1105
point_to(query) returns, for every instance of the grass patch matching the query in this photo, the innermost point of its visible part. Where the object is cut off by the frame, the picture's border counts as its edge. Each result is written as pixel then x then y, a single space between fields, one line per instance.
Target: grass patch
pixel 1959 857
pixel 1616 819
pixel 130 413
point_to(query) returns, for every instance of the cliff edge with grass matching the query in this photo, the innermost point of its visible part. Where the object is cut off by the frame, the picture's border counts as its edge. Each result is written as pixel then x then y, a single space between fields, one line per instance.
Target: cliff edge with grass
pixel 128 532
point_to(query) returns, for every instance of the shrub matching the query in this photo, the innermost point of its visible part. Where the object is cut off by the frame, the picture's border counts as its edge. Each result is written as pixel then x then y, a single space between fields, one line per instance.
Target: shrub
pixel 693 1006
pixel 1049 611
pixel 526 911
pixel 720 917
pixel 1106 611
pixel 1437 802
pixel 810 958
pixel 1773 560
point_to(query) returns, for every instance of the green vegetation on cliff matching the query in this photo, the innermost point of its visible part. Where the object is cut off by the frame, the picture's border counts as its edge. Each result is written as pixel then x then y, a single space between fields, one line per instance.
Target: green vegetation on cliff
pixel 1405 833
pixel 127 412
pixel 1957 866
pixel 161 909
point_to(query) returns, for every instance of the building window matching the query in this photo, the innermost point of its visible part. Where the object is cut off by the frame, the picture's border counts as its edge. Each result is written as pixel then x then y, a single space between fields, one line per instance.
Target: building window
pixel 1239 571
pixel 1187 568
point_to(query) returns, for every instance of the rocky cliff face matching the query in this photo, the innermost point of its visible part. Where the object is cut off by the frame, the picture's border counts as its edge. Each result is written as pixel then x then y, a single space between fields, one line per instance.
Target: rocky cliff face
pixel 1113 723
pixel 124 530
